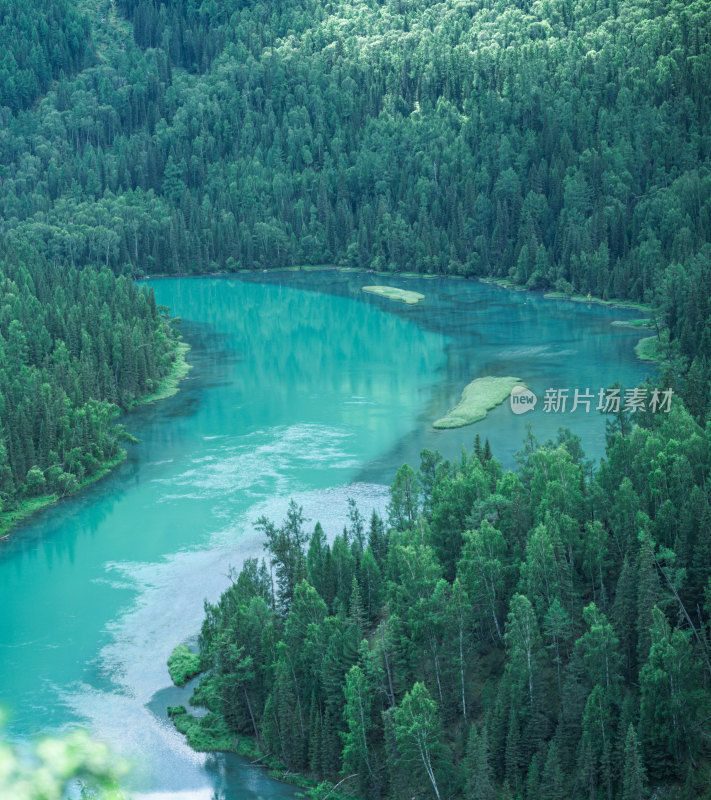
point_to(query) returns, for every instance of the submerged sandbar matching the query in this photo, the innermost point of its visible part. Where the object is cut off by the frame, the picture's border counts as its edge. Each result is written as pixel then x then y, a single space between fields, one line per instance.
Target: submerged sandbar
pixel 393 293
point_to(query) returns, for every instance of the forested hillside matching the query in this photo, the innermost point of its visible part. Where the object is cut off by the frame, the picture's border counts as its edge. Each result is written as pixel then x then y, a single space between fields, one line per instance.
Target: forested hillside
pixel 540 635
pixel 77 343
pixel 562 144
pixel 39 41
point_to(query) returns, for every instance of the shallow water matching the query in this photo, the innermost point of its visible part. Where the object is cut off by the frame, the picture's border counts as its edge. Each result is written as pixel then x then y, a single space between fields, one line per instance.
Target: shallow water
pixel 303 386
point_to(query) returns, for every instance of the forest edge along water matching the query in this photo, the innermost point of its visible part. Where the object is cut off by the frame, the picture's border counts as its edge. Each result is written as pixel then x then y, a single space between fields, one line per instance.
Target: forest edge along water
pixel 240 438
pixel 211 732
pixel 166 387
pixel 647 349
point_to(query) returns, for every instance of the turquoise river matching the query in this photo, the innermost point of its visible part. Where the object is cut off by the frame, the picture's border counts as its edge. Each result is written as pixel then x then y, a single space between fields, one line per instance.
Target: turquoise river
pixel 302 386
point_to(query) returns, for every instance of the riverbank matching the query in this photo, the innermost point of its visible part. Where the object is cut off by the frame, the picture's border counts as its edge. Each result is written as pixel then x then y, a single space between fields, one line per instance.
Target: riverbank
pixel 209 733
pixel 575 298
pixel 166 387
pixel 614 303
pixel 650 348
pixel 25 508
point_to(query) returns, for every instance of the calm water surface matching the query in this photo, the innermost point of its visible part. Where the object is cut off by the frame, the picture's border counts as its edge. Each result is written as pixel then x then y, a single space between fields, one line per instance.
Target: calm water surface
pixel 303 387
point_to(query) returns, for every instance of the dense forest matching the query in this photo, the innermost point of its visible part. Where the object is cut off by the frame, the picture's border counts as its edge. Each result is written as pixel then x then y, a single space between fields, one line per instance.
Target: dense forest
pixel 78 342
pixel 40 41
pixel 561 143
pixel 75 347
pixel 541 634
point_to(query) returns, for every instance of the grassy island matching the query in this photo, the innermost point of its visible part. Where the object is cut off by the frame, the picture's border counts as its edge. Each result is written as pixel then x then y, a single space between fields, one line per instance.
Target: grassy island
pixel 393 293
pixel 645 322
pixel 478 397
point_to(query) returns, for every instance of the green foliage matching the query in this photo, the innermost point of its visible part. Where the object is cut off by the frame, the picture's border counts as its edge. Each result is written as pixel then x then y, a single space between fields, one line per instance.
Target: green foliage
pixel 558 145
pixel 76 346
pixel 553 145
pixel 204 734
pixel 417 730
pixel 40 41
pixel 286 546
pixel 479 783
pixel 359 718
pixel 53 766
pixel 506 676
pixel 634 780
pixel 183 665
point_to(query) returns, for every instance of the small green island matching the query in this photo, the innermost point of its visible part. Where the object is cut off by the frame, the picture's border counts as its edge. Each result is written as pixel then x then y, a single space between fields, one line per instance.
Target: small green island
pixel 478 397
pixel 644 322
pixel 393 293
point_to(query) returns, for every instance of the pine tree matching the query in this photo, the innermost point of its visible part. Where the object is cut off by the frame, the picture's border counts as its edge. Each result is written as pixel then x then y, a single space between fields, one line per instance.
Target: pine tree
pixel 371 583
pixel 634 779
pixel 404 499
pixel 478 451
pixel 513 751
pixel 557 627
pixel 533 780
pixel 315 558
pixel 599 649
pixel 377 539
pixel 356 614
pixel 649 594
pixel 623 616
pixel 356 531
pixel 552 780
pixel 701 559
pixel 479 778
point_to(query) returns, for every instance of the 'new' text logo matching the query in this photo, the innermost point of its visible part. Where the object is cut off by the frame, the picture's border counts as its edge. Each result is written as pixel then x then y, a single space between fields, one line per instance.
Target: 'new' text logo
pixel 522 400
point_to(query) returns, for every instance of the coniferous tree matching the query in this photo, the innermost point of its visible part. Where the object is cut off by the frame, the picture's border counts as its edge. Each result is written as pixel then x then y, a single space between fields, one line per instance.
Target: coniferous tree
pixel 634 779
pixel 479 781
